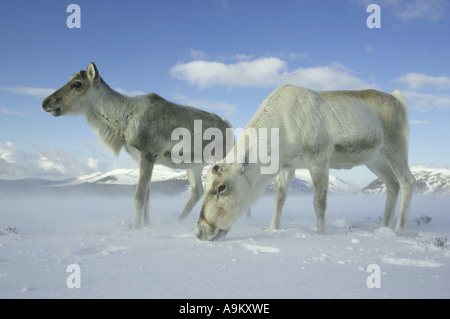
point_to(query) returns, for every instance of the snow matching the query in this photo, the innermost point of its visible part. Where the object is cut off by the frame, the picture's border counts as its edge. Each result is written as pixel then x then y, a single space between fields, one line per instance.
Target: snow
pixel 41 236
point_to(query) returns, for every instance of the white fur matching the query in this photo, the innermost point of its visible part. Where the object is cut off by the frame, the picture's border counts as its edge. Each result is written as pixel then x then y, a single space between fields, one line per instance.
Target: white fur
pixel 318 131
pixel 142 125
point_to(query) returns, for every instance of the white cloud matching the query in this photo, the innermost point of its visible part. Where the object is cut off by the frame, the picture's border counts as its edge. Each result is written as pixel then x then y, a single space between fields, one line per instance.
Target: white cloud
pixel 36 92
pixel 222 107
pixel 266 72
pixel 418 81
pixel 426 101
pixel 92 163
pixel 329 77
pixel 243 73
pixel 45 163
pixel 436 88
pixel 412 9
pixel 129 93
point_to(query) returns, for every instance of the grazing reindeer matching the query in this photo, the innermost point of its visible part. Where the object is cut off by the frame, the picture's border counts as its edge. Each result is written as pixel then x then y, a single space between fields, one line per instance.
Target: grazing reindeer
pixel 318 131
pixel 143 125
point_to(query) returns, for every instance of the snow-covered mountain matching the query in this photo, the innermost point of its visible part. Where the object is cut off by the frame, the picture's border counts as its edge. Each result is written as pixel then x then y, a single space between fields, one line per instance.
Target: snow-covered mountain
pixel 165 180
pixel 163 175
pixel 126 177
pixel 428 181
pixel 168 180
pixel 302 183
pixel 120 181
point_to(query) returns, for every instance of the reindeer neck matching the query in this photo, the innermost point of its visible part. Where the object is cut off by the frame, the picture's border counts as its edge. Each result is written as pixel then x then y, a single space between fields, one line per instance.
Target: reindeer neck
pixel 256 179
pixel 255 171
pixel 109 116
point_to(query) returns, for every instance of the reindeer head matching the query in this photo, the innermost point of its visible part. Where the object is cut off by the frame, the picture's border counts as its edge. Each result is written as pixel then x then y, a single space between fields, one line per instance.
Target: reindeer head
pixel 226 198
pixel 73 97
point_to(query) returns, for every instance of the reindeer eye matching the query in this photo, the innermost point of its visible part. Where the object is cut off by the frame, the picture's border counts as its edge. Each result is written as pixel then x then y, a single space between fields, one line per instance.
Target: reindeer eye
pixel 221 188
pixel 77 85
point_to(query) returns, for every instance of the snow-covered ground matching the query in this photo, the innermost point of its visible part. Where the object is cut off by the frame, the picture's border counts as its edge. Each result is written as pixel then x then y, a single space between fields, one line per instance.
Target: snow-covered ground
pixel 40 237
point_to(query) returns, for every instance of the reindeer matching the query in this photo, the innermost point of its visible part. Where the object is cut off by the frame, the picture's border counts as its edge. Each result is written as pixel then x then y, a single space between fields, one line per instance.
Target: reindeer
pixel 143 125
pixel 318 131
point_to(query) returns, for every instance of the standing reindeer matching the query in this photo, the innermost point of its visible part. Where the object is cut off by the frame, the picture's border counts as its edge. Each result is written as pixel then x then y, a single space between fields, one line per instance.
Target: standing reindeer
pixel 143 125
pixel 318 131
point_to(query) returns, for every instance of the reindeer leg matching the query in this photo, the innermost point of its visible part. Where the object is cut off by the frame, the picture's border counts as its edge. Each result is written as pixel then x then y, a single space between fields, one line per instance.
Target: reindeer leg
pixel 143 191
pixel 284 181
pixel 146 207
pixel 385 173
pixel 406 181
pixel 195 182
pixel 319 174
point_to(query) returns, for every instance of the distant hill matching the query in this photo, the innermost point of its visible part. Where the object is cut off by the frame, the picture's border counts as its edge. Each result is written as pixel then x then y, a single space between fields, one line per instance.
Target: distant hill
pixel 428 181
pixel 164 181
pixel 167 181
pixel 302 183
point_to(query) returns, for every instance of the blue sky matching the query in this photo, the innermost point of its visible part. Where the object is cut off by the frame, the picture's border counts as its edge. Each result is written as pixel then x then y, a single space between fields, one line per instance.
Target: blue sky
pixel 224 56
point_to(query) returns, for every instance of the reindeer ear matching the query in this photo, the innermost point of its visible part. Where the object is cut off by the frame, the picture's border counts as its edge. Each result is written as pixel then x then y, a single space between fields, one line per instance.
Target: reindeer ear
pixel 217 170
pixel 240 168
pixel 92 72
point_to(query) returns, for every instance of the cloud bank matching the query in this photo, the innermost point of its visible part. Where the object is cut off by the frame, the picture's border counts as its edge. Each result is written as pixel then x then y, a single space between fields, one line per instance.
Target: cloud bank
pixel 426 101
pixel 129 93
pixel 418 81
pixel 436 88
pixel 266 72
pixel 45 163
